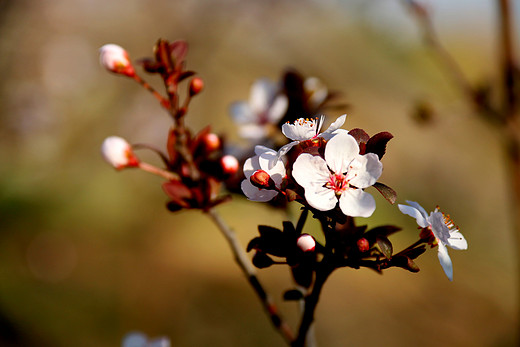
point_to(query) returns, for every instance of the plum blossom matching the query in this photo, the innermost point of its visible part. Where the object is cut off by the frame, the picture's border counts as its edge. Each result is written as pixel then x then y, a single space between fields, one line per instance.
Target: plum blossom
pixel 261 161
pixel 265 108
pixel 118 152
pixel 342 175
pixel 138 339
pixel 308 129
pixel 115 59
pixel 442 228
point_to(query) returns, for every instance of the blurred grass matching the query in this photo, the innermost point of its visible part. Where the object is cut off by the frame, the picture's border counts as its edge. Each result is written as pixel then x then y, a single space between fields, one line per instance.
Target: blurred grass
pixel 88 254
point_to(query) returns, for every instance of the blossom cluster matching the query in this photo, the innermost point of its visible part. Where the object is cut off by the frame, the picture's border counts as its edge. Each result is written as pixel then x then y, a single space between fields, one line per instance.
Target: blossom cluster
pixel 328 173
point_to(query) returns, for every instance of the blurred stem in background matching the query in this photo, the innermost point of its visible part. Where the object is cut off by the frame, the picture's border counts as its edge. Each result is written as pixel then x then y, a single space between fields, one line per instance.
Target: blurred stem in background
pixel 502 115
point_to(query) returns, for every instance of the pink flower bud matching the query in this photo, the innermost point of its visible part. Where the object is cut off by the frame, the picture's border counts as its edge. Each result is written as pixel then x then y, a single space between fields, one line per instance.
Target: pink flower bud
pixel 196 86
pixel 117 152
pixel 211 142
pixel 306 243
pixel 262 180
pixel 363 244
pixel 115 59
pixel 229 164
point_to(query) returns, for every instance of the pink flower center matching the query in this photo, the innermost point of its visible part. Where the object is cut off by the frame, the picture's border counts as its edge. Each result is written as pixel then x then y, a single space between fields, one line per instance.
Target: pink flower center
pixel 338 183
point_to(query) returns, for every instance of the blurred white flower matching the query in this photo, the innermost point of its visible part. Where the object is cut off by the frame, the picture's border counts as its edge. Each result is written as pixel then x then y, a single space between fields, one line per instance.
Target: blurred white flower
pixel 316 92
pixel 261 161
pixel 118 152
pixel 443 229
pixel 137 339
pixel 265 108
pixel 308 129
pixel 115 59
pixel 342 175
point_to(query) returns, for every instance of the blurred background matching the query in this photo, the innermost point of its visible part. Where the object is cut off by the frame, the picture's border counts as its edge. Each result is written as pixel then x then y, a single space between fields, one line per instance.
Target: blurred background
pixel 88 254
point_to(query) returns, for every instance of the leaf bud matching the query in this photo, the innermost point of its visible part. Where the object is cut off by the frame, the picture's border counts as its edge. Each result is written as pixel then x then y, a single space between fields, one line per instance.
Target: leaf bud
pixel 118 152
pixel 115 59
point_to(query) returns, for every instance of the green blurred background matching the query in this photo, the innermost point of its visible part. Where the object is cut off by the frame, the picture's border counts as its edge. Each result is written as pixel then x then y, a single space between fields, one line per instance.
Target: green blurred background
pixel 88 254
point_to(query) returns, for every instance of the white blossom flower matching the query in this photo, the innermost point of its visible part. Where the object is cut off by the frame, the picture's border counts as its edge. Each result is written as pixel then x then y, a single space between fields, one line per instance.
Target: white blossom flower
pixel 342 175
pixel 138 339
pixel 261 161
pixel 308 129
pixel 265 108
pixel 115 59
pixel 443 229
pixel 117 152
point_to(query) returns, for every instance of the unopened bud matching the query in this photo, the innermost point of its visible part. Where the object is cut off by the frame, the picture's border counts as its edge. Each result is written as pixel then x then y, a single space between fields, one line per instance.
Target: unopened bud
pixel 211 142
pixel 306 243
pixel 115 59
pixel 262 180
pixel 229 164
pixel 196 86
pixel 117 152
pixel 363 244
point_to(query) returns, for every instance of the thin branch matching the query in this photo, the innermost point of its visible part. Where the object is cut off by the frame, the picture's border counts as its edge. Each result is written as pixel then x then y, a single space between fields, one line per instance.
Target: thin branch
pixel 250 272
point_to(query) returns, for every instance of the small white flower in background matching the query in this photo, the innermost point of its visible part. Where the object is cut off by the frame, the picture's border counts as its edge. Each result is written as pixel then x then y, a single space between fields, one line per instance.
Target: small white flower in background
pixel 316 91
pixel 342 175
pixel 443 229
pixel 137 339
pixel 265 108
pixel 118 152
pixel 308 129
pixel 115 59
pixel 261 161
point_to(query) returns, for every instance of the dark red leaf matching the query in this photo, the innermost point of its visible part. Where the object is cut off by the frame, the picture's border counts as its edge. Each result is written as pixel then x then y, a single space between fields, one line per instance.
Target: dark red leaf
pixel 385 246
pixel 360 135
pixel 377 143
pixel 387 192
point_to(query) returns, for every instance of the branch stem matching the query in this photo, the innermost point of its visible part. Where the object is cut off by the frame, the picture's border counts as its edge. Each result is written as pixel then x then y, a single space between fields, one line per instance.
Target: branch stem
pixel 250 272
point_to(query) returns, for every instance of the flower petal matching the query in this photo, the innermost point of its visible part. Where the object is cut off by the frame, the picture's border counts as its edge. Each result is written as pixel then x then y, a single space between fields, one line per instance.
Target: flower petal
pixel 256 194
pixel 241 112
pixel 310 171
pixel 419 208
pixel 457 241
pixel 286 148
pixel 340 151
pixel 415 213
pixel 336 125
pixel 365 170
pixel 357 203
pixel 321 198
pixel 270 163
pixel 262 92
pixel 439 228
pixel 252 131
pixel 277 109
pixel 445 261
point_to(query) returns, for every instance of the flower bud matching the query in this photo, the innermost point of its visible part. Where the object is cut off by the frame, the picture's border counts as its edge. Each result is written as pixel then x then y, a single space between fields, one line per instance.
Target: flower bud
pixel 117 152
pixel 229 164
pixel 363 244
pixel 196 86
pixel 262 180
pixel 306 243
pixel 115 59
pixel 211 142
